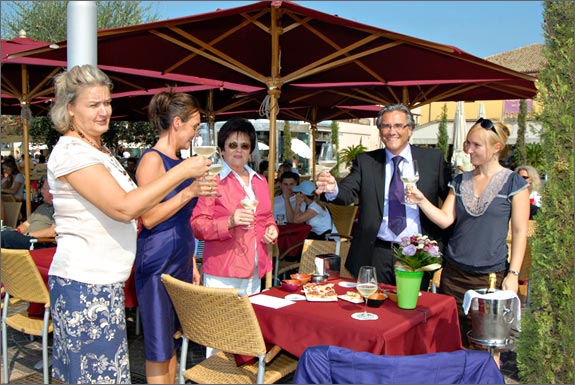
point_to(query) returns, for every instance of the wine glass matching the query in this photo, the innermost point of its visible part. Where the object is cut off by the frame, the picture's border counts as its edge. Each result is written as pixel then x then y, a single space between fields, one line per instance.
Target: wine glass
pixel 366 286
pixel 216 165
pixel 409 179
pixel 215 168
pixel 249 204
pixel 281 219
pixel 204 143
pixel 327 158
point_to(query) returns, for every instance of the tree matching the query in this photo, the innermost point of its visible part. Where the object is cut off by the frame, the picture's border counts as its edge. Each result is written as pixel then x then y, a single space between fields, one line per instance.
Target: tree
pixel 46 20
pixel 521 123
pixel 335 142
pixel 442 135
pixel 288 154
pixel 348 154
pixel 545 345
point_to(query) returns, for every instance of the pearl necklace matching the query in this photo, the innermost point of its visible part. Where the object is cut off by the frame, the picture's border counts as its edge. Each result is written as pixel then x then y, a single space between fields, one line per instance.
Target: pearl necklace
pixel 101 147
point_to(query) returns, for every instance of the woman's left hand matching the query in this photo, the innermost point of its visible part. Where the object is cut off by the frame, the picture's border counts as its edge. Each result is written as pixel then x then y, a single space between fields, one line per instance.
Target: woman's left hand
pixel 510 282
pixel 271 234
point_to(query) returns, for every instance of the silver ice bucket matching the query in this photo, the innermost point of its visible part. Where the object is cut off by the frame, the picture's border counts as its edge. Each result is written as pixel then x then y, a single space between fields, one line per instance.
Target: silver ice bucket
pixel 491 319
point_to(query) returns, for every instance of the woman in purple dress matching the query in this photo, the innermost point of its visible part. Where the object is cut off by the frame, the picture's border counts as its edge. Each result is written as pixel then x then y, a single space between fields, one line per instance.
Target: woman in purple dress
pixel 166 242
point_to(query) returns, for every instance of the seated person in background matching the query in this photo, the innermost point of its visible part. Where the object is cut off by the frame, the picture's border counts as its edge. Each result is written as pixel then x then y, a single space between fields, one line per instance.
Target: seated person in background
pixel 461 162
pixel 40 169
pixel 283 212
pixel 308 210
pixel 131 165
pixel 284 167
pixel 530 174
pixel 10 168
pixel 263 167
pixel 40 224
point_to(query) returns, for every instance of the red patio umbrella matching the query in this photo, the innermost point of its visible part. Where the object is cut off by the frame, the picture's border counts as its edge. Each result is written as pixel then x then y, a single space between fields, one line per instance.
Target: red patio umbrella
pixel 275 43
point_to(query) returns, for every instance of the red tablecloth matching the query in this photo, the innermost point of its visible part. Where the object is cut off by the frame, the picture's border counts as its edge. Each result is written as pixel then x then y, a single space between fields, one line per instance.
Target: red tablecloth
pixel 432 327
pixel 43 259
pixel 290 234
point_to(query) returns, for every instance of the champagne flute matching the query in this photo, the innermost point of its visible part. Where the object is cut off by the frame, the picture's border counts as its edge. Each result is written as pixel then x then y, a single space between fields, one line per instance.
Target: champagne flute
pixel 249 204
pixel 366 286
pixel 409 179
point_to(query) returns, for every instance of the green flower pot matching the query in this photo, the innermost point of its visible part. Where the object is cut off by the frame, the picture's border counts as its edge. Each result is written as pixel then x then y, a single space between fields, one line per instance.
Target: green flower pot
pixel 408 284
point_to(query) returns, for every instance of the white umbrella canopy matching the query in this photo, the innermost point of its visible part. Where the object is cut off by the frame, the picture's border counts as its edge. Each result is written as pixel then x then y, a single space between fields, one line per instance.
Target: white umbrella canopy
pixel 300 148
pixel 481 111
pixel 459 128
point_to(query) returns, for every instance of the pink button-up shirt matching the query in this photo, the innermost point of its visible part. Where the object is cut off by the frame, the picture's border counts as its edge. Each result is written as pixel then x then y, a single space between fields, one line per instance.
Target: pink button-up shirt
pixel 231 252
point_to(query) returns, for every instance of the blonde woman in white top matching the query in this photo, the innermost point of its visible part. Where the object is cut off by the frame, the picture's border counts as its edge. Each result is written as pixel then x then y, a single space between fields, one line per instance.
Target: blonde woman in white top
pixel 95 204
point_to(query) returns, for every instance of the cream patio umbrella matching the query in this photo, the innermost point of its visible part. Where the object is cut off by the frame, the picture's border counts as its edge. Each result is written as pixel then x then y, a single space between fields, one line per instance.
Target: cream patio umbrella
pixel 459 135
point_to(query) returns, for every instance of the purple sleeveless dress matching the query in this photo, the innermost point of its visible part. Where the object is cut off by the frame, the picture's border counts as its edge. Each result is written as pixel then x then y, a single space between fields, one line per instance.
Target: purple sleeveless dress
pixel 167 248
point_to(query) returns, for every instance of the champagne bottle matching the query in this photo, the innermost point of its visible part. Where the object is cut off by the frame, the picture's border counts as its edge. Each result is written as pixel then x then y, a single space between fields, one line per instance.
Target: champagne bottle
pixel 492 283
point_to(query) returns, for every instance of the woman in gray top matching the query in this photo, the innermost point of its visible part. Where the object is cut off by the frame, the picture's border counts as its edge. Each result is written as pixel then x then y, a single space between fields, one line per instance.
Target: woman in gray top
pixel 480 203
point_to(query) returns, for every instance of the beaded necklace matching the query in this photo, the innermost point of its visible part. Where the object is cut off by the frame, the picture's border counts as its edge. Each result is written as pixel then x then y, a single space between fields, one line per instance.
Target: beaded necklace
pixel 104 149
pixel 101 147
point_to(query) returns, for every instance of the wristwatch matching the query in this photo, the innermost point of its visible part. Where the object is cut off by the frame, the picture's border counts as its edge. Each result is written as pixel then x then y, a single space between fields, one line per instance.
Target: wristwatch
pixel 514 272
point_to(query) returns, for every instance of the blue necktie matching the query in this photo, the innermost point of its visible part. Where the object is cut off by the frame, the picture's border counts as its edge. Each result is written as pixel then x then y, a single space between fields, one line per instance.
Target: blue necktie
pixel 396 219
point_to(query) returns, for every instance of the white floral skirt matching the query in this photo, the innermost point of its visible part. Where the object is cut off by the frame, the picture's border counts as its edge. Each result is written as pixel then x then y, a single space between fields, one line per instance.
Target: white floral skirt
pixel 90 344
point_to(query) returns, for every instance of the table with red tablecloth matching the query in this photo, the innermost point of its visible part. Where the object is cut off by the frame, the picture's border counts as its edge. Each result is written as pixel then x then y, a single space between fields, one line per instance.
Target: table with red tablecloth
pixel 43 259
pixel 432 327
pixel 291 234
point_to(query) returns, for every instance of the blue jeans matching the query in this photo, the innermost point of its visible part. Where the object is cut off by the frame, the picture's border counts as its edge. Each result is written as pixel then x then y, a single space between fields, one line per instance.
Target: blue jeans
pixel 11 239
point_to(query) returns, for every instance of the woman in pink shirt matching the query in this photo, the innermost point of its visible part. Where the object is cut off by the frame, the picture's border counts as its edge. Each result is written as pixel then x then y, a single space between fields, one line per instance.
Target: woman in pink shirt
pixel 236 238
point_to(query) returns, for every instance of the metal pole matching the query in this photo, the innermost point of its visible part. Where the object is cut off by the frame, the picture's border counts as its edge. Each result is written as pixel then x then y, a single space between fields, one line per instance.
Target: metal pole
pixel 82 33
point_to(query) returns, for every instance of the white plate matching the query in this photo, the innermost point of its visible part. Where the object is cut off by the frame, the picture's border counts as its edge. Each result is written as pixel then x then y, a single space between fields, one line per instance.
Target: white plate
pixel 295 297
pixel 347 284
pixel 350 299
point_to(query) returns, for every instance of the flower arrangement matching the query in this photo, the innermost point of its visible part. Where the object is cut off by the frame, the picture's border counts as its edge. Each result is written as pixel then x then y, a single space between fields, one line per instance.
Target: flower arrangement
pixel 418 253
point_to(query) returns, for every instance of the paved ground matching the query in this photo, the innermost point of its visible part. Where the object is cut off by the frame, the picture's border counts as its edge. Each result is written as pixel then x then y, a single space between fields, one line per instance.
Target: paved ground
pixel 24 354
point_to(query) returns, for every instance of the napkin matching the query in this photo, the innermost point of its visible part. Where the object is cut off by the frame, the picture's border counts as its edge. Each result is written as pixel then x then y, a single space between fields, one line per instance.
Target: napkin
pixel 269 301
pixel 501 295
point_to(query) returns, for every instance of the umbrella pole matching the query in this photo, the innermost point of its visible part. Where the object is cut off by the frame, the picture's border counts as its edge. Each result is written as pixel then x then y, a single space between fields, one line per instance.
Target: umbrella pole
pixel 274 91
pixel 26 122
pixel 274 94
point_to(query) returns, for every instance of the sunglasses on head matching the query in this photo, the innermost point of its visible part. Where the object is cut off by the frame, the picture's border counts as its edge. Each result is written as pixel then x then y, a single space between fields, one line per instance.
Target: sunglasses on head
pixel 487 124
pixel 243 146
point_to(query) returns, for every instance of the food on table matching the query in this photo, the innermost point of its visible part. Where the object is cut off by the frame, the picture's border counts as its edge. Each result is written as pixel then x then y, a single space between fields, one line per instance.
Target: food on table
pixel 318 292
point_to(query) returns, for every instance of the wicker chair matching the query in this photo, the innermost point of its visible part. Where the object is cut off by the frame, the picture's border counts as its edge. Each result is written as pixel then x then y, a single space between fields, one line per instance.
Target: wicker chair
pixel 23 281
pixel 220 319
pixel 12 213
pixel 313 247
pixel 343 218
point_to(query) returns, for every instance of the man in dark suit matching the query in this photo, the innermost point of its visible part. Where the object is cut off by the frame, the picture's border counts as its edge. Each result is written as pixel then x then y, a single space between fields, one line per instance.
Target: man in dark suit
pixel 369 181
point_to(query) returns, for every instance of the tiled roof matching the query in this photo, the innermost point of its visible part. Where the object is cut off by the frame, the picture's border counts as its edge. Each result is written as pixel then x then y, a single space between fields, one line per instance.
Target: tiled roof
pixel 528 60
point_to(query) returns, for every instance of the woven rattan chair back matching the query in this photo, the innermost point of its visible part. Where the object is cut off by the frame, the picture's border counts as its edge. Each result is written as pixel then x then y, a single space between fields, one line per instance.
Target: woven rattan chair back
pixel 11 213
pixel 21 277
pixel 313 247
pixel 343 217
pixel 23 282
pixel 216 317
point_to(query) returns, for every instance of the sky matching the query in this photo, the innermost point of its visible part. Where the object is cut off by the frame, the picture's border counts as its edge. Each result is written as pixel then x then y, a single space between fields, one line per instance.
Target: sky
pixel 481 28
